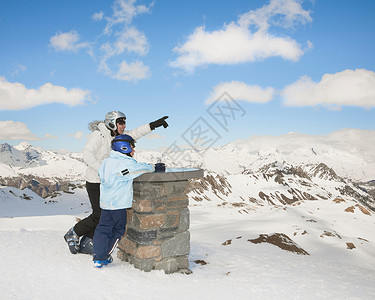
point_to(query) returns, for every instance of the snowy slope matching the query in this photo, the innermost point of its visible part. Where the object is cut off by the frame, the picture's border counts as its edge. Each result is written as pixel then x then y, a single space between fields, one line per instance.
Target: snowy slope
pixel 225 263
pixel 24 203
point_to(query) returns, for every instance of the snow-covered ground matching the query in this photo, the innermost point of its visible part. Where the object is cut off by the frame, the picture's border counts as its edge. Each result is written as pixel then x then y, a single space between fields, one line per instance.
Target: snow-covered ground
pixel 38 265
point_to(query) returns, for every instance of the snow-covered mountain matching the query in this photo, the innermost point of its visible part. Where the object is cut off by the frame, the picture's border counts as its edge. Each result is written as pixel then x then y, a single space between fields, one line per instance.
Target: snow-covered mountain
pixel 262 170
pixel 349 152
pixel 25 159
pixel 22 155
pixel 268 170
pixel 44 172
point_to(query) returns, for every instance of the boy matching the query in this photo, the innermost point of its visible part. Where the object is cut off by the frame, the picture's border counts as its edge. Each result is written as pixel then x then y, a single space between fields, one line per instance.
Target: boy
pixel 116 195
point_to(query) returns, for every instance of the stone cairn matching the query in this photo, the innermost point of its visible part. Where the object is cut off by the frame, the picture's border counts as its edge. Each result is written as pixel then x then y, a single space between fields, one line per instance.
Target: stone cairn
pixel 157 235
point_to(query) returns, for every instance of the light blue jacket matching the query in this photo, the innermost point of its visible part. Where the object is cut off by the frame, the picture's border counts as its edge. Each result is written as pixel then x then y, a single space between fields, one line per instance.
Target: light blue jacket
pixel 116 175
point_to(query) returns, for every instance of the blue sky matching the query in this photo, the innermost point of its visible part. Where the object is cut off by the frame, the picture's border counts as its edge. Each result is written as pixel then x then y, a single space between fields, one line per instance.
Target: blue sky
pixel 221 70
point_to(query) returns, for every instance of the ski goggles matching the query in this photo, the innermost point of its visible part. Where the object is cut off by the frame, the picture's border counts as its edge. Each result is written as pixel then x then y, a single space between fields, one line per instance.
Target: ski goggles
pixel 121 121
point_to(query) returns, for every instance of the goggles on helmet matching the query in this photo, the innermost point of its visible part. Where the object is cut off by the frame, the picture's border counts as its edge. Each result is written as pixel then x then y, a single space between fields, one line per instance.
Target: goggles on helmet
pixel 131 142
pixel 121 121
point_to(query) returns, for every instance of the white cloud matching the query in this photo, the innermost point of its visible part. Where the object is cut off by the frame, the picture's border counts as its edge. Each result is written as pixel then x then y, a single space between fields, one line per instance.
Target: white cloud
pixel 133 71
pixel 281 13
pixel 10 130
pixel 97 16
pixel 127 38
pixel 123 13
pixel 241 91
pixel 50 136
pixel 78 135
pixel 15 96
pixel 119 36
pixel 67 41
pixel 246 40
pixel 153 136
pixel 131 40
pixel 349 87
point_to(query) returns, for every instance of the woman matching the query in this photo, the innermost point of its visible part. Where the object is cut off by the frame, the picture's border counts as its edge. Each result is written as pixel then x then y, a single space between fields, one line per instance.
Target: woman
pixel 95 151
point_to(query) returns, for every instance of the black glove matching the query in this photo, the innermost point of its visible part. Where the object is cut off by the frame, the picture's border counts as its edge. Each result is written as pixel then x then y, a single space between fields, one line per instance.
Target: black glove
pixel 159 167
pixel 158 123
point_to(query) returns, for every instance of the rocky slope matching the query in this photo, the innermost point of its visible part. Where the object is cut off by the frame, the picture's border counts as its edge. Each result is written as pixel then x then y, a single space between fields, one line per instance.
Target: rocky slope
pixel 278 184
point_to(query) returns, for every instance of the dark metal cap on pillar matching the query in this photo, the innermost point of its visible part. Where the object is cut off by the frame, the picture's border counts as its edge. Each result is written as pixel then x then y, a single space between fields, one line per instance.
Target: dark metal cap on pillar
pixel 171 174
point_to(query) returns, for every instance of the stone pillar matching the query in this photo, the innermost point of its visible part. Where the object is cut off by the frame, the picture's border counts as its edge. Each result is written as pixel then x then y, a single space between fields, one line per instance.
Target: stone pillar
pixel 157 235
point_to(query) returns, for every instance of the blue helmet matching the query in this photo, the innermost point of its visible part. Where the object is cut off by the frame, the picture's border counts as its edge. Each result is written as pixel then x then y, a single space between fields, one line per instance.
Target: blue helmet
pixel 122 143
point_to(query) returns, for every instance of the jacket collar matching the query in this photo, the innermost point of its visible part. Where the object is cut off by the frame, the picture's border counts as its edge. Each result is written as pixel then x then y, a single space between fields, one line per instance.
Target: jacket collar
pixel 104 130
pixel 116 154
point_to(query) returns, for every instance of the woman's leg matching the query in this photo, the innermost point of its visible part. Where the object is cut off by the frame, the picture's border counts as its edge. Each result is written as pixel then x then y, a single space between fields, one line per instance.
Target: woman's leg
pixel 87 225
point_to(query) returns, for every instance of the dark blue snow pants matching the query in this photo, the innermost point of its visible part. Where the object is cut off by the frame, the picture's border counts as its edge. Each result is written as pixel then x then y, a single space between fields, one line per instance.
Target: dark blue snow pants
pixel 109 231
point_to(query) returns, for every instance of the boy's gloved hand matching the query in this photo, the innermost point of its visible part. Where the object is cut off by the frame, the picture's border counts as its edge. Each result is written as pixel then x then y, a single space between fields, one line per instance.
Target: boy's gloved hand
pixel 158 123
pixel 159 167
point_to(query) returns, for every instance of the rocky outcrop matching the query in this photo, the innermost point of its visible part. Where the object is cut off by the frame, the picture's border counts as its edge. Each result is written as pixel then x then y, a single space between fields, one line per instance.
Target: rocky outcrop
pixel 280 240
pixel 369 188
pixel 216 183
pixel 279 183
pixel 43 187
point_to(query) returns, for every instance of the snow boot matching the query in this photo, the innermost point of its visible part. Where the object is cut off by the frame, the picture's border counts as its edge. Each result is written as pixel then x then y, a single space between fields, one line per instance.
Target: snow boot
pixel 86 246
pixel 101 263
pixel 73 241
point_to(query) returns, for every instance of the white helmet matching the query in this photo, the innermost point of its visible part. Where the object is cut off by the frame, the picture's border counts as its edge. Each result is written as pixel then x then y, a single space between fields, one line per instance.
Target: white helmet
pixel 111 117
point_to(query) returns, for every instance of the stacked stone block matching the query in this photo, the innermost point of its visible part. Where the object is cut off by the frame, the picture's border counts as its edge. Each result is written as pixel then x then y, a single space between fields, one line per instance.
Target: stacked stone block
pixel 157 236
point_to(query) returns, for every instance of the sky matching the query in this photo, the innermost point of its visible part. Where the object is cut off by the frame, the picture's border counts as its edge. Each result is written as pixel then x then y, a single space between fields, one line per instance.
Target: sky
pixel 221 70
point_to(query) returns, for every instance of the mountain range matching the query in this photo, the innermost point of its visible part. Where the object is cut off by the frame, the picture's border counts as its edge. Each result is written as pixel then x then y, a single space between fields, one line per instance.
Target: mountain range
pixel 44 172
pixel 262 170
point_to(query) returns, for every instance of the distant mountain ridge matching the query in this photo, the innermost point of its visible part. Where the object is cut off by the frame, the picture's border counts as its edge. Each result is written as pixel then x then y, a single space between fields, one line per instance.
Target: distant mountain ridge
pixel 284 169
pixel 27 156
pixel 261 170
pixel 44 172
